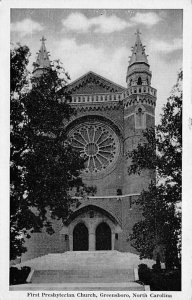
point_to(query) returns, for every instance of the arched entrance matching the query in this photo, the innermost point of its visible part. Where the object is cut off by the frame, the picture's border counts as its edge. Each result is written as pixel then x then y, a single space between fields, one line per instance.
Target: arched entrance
pixel 103 237
pixel 80 238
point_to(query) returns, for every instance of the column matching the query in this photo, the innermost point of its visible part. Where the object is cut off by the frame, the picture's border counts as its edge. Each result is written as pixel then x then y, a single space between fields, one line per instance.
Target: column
pixel 112 241
pixel 70 242
pixel 91 241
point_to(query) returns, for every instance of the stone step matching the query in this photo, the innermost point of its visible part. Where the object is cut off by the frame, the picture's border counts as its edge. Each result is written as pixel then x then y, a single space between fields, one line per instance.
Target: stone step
pixel 85 259
pixel 112 287
pixel 91 270
pixel 83 276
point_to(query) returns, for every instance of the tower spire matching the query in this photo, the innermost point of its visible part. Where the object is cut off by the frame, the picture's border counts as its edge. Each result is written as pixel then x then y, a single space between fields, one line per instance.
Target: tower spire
pixel 138 51
pixel 42 62
pixel 138 71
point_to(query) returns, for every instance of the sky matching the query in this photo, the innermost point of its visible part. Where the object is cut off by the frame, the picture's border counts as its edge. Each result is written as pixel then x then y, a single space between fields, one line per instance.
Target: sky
pixel 100 40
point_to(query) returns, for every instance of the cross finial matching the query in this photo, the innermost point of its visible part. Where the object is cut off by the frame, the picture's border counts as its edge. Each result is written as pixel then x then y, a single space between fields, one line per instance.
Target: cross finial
pixel 43 39
pixel 137 32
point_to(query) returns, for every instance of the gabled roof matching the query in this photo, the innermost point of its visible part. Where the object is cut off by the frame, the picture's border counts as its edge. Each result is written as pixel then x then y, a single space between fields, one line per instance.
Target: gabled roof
pixel 92 83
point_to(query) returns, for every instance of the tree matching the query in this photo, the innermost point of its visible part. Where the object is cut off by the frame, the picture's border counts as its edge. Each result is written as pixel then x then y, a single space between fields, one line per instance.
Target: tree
pixel 19 57
pixel 160 227
pixel 45 169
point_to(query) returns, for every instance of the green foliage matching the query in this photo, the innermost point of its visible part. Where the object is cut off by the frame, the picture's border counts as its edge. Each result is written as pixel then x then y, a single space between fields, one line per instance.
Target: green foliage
pixel 53 166
pixel 162 152
pixel 17 276
pixel 18 61
pixel 160 280
pixel 160 226
pixel 45 169
pixel 144 274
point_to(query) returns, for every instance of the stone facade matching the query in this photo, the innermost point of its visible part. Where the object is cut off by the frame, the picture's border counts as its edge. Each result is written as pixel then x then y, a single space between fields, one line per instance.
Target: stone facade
pixel 109 123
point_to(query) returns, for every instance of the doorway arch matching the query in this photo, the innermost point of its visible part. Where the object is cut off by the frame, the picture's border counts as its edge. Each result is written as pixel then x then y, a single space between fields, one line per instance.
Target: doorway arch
pixel 80 238
pixel 103 237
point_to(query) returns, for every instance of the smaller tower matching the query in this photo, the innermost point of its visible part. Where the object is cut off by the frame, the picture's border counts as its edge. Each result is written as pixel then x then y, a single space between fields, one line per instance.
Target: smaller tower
pixel 42 63
pixel 139 111
pixel 138 72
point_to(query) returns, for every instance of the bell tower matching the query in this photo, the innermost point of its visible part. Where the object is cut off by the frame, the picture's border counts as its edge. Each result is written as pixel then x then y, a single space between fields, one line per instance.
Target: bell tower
pixel 139 111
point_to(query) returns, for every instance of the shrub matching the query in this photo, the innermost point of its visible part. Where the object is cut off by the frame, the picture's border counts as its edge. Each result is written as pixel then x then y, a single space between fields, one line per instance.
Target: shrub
pixel 144 274
pixel 17 276
pixel 160 280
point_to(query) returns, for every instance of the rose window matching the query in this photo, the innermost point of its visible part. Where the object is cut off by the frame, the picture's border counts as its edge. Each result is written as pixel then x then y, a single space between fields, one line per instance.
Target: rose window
pixel 98 143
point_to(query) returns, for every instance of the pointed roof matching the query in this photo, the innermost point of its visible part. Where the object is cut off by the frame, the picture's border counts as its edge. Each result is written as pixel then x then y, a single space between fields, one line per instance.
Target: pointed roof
pixel 138 51
pixel 42 61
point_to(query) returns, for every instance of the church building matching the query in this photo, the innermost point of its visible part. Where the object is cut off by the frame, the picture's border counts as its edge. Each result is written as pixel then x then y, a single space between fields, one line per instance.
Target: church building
pixel 108 123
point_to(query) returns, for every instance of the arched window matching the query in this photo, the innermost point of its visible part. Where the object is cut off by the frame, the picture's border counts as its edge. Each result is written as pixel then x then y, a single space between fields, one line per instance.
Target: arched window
pixel 140 117
pixel 139 81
